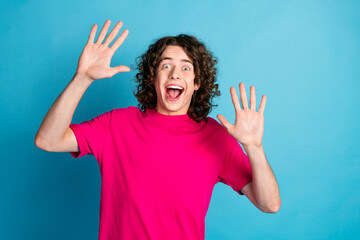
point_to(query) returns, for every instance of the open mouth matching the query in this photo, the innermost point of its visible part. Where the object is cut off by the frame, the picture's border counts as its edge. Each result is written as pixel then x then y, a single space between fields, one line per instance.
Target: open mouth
pixel 174 92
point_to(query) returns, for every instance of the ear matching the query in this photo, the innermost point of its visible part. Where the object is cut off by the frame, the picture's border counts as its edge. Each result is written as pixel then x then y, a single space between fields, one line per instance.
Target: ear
pixel 197 86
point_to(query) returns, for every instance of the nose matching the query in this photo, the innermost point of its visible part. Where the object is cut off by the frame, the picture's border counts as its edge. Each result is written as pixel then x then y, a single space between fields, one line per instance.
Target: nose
pixel 174 74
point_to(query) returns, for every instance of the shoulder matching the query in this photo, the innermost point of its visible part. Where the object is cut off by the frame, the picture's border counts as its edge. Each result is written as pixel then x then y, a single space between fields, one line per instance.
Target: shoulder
pixel 215 126
pixel 131 110
pixel 129 113
pixel 218 130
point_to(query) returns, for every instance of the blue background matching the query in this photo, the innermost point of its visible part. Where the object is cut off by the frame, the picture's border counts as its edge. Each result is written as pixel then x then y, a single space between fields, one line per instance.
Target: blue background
pixel 304 55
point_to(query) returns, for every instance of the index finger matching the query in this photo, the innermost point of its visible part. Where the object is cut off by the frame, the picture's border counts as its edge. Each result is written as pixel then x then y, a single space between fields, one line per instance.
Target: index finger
pixel 120 40
pixel 92 34
pixel 235 99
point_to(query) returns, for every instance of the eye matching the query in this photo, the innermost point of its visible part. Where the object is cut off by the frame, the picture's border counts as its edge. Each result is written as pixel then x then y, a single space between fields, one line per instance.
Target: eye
pixel 186 68
pixel 166 66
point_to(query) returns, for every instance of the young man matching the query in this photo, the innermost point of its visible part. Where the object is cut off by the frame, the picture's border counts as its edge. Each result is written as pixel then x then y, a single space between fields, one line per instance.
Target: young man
pixel 159 163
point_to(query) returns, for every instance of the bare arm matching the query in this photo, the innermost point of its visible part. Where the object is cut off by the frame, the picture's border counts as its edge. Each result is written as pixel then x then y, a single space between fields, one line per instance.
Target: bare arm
pixel 248 130
pixel 54 133
pixel 263 191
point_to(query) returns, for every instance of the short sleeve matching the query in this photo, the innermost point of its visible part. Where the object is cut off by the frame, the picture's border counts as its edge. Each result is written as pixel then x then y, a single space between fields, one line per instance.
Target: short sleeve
pixel 91 135
pixel 236 170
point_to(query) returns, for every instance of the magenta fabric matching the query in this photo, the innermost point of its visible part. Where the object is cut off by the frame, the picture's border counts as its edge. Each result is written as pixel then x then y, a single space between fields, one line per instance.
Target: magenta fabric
pixel 158 171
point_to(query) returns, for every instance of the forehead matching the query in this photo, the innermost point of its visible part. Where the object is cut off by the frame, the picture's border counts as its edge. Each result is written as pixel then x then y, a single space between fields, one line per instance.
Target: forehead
pixel 175 53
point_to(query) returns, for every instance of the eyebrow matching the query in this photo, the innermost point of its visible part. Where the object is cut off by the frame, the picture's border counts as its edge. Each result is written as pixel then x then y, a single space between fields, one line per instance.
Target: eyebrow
pixel 182 60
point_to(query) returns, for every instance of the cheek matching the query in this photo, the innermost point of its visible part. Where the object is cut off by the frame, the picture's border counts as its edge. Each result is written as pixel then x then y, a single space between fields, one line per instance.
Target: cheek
pixel 158 86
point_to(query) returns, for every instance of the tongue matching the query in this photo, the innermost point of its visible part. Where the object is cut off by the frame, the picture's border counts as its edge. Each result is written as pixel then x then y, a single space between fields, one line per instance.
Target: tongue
pixel 174 93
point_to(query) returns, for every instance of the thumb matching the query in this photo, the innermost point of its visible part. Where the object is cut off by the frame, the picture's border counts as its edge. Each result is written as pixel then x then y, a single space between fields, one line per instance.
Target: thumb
pixel 224 122
pixel 119 69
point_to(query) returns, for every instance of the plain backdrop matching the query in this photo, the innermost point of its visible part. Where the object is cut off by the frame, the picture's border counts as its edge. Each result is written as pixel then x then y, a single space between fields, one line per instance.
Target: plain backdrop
pixel 304 55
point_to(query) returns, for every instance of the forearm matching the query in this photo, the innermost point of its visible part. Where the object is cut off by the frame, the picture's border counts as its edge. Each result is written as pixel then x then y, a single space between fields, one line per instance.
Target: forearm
pixel 266 190
pixel 57 120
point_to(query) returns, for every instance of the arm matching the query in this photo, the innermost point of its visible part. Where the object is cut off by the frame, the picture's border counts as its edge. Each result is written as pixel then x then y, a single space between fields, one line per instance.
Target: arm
pixel 263 191
pixel 248 130
pixel 54 133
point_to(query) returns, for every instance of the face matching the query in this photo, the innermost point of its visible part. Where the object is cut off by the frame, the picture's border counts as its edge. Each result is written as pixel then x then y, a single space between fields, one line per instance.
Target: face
pixel 174 82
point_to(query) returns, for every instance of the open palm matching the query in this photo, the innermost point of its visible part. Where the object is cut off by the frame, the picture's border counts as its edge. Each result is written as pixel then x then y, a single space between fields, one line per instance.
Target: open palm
pixel 248 128
pixel 95 58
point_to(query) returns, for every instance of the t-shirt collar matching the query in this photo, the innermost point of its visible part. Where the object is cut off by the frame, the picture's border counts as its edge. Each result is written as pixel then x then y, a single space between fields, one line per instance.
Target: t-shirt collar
pixel 184 122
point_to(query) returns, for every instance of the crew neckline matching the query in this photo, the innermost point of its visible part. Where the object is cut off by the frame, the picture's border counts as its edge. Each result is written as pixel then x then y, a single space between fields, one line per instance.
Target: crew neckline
pixel 179 124
pixel 156 114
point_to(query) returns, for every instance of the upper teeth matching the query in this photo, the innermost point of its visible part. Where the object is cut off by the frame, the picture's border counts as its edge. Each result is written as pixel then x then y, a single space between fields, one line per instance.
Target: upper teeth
pixel 175 87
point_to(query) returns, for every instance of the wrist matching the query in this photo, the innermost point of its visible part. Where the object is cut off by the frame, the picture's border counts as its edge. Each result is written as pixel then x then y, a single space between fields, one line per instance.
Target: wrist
pixel 253 149
pixel 80 77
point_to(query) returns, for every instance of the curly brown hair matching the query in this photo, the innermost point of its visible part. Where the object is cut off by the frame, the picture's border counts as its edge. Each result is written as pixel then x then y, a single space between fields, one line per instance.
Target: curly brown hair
pixel 204 68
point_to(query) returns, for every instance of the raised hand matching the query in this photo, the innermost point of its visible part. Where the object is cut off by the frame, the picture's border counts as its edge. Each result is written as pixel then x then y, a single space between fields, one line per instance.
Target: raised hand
pixel 248 128
pixel 95 58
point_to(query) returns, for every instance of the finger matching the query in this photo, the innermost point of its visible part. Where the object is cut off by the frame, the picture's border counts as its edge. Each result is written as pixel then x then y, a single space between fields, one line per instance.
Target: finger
pixel 243 97
pixel 224 122
pixel 119 69
pixel 262 104
pixel 235 99
pixel 92 34
pixel 113 33
pixel 103 32
pixel 252 98
pixel 120 40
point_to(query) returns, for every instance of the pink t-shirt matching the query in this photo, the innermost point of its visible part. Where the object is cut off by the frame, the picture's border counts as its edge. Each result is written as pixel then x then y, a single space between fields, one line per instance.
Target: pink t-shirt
pixel 158 171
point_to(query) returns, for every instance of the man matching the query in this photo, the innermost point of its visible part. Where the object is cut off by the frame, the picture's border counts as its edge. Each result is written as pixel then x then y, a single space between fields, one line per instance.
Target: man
pixel 159 166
